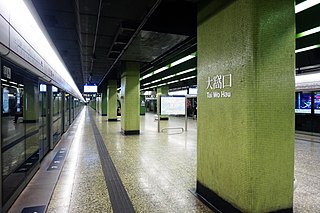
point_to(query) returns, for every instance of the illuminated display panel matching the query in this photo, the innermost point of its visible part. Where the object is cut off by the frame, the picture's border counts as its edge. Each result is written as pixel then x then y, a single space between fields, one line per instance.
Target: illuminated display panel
pixel 303 103
pixel 90 89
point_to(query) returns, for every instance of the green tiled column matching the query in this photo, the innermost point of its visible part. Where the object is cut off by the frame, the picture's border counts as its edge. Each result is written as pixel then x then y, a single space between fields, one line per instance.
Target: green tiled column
pixel 161 91
pixel 30 106
pixel 130 95
pixel 112 100
pixel 246 65
pixel 104 102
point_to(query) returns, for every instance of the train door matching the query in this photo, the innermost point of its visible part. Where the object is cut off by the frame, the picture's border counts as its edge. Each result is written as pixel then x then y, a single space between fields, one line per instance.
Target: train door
pixel 56 114
pixel 19 130
pixel 66 111
pixel 43 120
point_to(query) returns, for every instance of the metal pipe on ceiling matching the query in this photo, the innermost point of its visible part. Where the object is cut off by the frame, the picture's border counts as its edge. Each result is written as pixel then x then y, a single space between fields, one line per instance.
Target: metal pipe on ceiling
pixel 96 34
pixel 78 28
pixel 144 20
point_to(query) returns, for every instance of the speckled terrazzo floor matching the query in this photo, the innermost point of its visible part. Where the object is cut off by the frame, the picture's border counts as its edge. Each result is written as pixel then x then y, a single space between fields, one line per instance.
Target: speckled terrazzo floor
pixel 158 170
pixel 307 173
pixel 81 186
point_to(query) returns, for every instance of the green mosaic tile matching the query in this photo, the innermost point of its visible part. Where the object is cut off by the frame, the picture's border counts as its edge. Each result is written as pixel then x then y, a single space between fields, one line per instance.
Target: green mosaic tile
pixel 246 50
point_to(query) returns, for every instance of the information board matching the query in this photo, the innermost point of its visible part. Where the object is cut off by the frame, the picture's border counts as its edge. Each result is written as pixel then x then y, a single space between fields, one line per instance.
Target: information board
pixel 90 89
pixel 172 105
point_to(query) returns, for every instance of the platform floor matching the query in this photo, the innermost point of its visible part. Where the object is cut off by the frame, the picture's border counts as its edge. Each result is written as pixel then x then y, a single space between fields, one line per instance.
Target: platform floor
pixel 104 171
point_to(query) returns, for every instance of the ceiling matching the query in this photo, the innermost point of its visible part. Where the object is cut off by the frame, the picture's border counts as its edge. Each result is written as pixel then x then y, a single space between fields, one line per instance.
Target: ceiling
pixel 306 20
pixel 94 36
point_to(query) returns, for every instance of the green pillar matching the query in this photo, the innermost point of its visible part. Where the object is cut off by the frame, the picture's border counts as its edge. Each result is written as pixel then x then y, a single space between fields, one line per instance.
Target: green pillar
pixel 104 102
pixel 30 106
pixel 246 63
pixel 161 91
pixel 112 100
pixel 130 95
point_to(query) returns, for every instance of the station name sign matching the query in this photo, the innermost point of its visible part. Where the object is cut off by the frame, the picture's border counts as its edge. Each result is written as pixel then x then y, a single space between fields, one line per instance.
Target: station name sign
pixel 219 86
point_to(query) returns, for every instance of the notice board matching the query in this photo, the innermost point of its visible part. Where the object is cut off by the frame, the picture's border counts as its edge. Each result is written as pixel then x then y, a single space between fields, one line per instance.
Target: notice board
pixel 172 105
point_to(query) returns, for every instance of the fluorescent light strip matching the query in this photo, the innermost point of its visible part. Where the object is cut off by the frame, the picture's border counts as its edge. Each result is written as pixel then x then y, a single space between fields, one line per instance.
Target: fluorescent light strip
pixel 171 82
pixel 187 78
pixel 160 70
pixel 11 82
pixel 161 85
pixel 186 71
pixel 146 84
pixel 186 58
pixel 155 81
pixel 23 20
pixel 169 76
pixel 147 76
pixel 308 32
pixel 308 48
pixel 4 80
pixel 305 5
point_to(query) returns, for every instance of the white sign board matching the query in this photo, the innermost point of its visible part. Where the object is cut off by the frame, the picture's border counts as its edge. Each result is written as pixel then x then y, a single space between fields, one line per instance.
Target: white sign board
pixel 90 89
pixel 172 105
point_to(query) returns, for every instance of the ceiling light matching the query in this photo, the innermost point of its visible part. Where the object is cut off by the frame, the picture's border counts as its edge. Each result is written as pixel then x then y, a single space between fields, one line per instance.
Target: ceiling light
pixel 160 70
pixel 186 58
pixel 146 84
pixel 169 76
pixel 308 48
pixel 305 5
pixel 171 82
pixel 155 81
pixel 161 85
pixel 146 76
pixel 308 32
pixel 187 78
pixel 186 71
pixel 26 25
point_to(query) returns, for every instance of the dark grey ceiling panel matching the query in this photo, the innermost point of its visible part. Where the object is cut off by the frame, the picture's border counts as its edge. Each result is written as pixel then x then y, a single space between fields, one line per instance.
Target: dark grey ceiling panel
pixel 148 45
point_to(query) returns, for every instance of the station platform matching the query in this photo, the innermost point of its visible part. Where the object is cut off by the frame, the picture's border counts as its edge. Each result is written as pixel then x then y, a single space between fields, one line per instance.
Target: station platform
pixel 94 168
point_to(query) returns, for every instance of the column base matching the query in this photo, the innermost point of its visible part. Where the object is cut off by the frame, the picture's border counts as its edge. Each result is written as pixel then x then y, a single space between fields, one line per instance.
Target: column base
pixel 130 132
pixel 104 114
pixel 112 119
pixel 30 121
pixel 164 118
pixel 216 203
